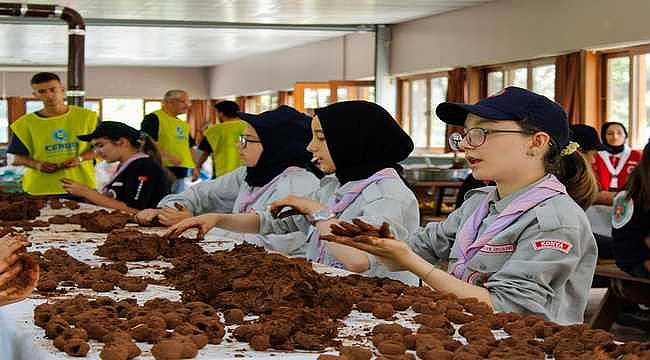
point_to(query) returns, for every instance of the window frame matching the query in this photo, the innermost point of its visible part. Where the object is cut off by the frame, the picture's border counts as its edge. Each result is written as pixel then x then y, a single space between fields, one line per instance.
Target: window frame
pixel 401 81
pixel 505 68
pixel 633 120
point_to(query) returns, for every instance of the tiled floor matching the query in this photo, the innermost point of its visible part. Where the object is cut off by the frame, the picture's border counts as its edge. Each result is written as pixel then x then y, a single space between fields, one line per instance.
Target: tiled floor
pixel 621 333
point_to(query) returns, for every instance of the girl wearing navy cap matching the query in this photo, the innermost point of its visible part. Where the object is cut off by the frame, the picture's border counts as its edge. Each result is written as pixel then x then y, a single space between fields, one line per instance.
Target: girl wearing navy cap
pixel 359 145
pixel 524 245
pixel 139 181
pixel 614 164
pixel 272 149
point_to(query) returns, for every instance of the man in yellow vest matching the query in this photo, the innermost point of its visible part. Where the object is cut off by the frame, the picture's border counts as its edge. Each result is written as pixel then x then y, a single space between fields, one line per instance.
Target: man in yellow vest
pixel 221 141
pixel 172 135
pixel 46 141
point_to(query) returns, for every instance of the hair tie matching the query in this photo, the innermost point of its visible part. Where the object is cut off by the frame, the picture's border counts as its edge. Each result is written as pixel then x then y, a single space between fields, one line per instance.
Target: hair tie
pixel 571 147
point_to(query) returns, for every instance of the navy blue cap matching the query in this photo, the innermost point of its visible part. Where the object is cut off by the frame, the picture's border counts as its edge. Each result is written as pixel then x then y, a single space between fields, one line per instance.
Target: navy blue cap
pixel 516 104
pixel 111 130
pixel 282 116
pixel 587 137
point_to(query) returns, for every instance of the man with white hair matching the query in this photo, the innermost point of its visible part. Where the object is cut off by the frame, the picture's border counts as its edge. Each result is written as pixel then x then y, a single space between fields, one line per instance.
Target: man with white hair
pixel 172 135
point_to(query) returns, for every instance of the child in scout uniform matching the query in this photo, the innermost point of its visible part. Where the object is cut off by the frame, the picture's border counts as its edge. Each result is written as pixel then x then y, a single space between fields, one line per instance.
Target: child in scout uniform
pixel 139 182
pixel 273 149
pixel 524 245
pixel 172 135
pixel 359 144
pixel 46 143
pixel 615 163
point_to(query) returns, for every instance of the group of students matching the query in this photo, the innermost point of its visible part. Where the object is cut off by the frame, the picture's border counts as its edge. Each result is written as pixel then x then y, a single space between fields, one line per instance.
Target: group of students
pixel 522 245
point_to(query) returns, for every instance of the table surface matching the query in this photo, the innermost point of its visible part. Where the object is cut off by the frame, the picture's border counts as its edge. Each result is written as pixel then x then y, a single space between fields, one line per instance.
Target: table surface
pixel 21 339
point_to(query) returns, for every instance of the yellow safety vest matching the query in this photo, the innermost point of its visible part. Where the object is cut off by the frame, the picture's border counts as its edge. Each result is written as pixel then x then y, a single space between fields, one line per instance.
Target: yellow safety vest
pixel 223 139
pixel 54 139
pixel 174 137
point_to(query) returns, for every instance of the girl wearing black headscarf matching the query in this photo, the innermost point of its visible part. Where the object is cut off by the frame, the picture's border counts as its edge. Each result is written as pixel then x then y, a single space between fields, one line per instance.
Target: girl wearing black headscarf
pixel 358 144
pixel 613 166
pixel 273 149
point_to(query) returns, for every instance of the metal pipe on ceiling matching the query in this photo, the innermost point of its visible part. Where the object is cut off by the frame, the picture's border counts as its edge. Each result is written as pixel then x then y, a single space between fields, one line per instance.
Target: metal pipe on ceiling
pixel 76 40
pixel 202 24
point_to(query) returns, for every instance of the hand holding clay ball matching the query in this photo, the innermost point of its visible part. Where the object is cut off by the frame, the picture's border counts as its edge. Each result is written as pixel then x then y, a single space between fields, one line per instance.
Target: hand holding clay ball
pixel 18 271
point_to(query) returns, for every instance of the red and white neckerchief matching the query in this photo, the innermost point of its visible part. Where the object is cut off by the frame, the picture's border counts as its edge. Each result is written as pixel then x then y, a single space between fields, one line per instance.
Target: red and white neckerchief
pixel 614 171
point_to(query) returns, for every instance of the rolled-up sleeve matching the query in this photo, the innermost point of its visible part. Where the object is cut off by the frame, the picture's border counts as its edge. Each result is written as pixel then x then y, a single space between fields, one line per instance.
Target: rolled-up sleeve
pixel 216 195
pixel 433 242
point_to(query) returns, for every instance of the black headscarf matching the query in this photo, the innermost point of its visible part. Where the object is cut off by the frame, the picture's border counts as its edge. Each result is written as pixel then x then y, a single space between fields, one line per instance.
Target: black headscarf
pixel 284 133
pixel 362 138
pixel 603 137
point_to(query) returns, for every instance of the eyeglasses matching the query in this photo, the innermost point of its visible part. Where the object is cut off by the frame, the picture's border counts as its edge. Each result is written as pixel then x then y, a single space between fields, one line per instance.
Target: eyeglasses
pixel 243 141
pixel 476 137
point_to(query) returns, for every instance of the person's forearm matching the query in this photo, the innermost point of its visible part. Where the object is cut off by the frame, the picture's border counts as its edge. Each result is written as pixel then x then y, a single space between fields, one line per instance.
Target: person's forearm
pixel 105 201
pixel 23 160
pixel 444 282
pixel 204 156
pixel 244 223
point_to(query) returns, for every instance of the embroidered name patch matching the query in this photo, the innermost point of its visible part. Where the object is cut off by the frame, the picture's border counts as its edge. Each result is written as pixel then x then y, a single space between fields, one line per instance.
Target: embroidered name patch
pixel 560 245
pixel 495 249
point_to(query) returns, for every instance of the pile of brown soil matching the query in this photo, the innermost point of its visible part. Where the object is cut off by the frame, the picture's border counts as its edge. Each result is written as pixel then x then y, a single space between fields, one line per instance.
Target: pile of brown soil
pixel 100 221
pixel 178 330
pixel 15 207
pixel 58 267
pixel 134 245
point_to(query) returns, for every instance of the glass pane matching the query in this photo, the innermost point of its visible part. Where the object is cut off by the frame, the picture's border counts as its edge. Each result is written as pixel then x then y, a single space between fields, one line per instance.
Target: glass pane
pixel 544 80
pixel 494 82
pixel 151 106
pixel 265 103
pixel 4 122
pixel 406 116
pixel 33 106
pixel 93 105
pixel 618 90
pixel 315 98
pixel 274 101
pixel 342 94
pixel 128 111
pixel 438 95
pixel 518 77
pixel 419 113
pixel 644 100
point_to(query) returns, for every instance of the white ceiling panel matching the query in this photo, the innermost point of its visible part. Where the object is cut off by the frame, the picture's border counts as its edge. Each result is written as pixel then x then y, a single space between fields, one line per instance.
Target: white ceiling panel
pixel 135 46
pixel 31 44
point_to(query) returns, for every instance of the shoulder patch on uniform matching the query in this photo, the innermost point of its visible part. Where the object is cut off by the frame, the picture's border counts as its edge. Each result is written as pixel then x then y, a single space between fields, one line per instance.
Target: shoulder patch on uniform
pixel 555 244
pixel 623 210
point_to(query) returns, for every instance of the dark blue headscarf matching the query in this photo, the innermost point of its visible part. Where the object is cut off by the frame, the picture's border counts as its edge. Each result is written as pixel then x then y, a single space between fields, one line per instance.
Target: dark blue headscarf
pixel 284 133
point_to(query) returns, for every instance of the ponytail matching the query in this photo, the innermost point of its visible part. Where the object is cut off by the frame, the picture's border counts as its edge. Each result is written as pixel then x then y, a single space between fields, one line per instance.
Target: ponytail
pixel 572 169
pixel 149 147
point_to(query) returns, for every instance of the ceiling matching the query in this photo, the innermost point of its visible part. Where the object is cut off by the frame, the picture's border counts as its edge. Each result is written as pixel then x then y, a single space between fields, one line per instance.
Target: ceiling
pixel 201 45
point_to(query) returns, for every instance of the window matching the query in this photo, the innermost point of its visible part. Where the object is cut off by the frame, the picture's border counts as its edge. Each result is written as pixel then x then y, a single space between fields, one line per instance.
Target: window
pixel 627 93
pixel 419 98
pixel 4 121
pixel 128 111
pixel 36 105
pixel 316 98
pixel 537 76
pixel 151 106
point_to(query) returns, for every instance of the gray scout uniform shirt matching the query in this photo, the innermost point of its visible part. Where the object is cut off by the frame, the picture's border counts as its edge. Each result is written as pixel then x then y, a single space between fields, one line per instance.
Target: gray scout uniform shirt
pixel 522 272
pixel 225 194
pixel 388 200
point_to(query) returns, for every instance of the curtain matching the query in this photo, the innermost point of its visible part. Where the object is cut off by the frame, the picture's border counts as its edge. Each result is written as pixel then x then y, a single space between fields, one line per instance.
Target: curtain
pixel 197 118
pixel 15 109
pixel 567 85
pixel 455 93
